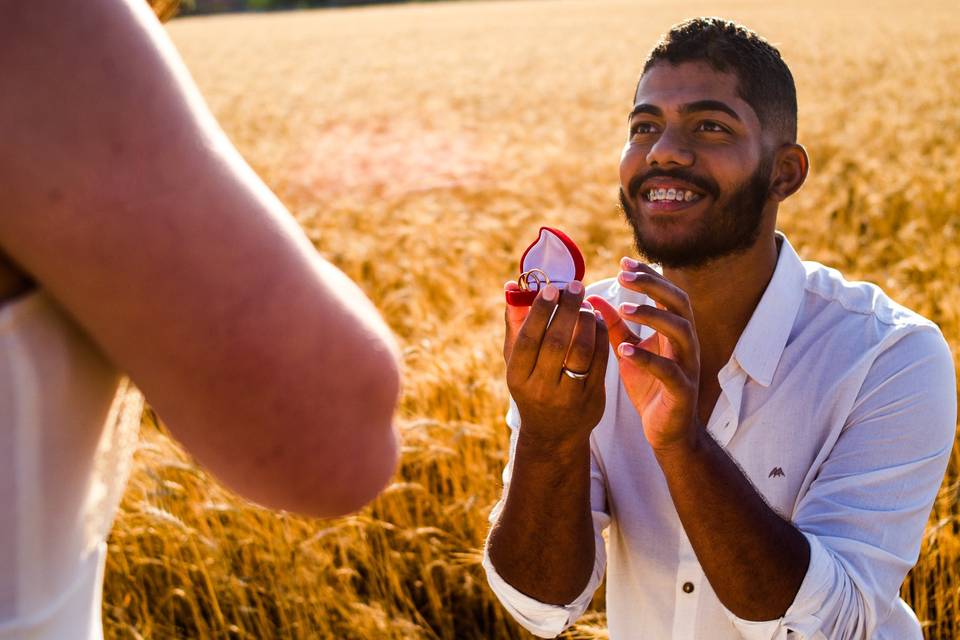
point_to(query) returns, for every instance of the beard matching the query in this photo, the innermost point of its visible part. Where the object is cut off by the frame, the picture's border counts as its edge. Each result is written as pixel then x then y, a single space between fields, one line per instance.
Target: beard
pixel 732 226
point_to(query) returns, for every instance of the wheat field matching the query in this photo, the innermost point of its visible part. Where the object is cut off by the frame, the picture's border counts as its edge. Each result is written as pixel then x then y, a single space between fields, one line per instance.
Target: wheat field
pixel 420 147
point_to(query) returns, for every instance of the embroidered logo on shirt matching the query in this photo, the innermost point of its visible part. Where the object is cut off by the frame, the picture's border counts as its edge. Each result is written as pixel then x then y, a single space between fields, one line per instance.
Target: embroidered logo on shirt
pixel 776 472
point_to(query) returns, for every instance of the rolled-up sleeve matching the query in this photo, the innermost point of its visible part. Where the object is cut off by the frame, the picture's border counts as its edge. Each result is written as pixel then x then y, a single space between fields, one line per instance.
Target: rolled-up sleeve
pixel 865 513
pixel 541 619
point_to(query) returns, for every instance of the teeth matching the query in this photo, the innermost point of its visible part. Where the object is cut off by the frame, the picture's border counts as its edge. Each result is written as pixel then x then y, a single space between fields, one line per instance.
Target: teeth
pixel 680 195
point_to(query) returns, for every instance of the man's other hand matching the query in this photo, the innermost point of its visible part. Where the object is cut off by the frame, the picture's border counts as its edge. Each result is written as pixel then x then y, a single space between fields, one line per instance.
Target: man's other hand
pixel 660 374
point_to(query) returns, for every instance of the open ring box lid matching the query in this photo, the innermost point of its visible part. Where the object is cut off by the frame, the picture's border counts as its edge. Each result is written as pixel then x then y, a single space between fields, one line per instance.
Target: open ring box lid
pixel 556 255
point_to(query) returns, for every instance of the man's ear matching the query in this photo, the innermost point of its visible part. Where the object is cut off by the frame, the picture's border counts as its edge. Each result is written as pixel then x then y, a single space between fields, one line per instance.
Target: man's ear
pixel 790 166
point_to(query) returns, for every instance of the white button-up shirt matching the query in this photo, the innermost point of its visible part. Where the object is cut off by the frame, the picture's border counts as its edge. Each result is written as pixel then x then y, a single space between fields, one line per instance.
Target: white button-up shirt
pixel 840 407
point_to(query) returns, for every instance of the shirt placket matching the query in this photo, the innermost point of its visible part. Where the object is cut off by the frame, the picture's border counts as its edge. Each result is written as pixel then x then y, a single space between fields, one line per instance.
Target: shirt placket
pixel 687 589
pixel 691 582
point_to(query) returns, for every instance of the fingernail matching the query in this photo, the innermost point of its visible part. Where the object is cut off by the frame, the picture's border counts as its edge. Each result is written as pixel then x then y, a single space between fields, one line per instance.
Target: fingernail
pixel 629 263
pixel 550 293
pixel 586 306
pixel 629 276
pixel 628 308
pixel 599 315
pixel 626 349
pixel 575 287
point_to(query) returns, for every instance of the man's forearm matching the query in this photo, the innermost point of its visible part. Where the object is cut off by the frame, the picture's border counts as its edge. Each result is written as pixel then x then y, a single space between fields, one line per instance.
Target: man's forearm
pixel 754 559
pixel 543 542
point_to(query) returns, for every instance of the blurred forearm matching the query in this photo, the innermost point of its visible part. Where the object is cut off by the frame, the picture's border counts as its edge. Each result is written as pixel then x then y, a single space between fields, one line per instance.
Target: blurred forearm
pixel 128 204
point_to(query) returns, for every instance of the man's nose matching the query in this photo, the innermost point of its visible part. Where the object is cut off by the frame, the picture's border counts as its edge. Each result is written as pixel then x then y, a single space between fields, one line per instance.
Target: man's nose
pixel 671 148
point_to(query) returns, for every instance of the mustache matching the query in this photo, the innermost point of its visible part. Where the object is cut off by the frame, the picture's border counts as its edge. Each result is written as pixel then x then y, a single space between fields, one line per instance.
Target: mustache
pixel 704 183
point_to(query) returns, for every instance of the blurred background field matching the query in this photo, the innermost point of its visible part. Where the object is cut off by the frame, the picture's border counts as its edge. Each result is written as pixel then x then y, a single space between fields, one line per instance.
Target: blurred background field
pixel 420 147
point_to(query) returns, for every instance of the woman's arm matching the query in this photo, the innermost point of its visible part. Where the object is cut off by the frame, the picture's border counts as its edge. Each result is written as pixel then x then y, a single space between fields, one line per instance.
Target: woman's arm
pixel 123 198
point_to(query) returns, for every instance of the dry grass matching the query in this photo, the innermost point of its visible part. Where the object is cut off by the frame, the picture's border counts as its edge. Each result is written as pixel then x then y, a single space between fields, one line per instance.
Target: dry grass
pixel 420 147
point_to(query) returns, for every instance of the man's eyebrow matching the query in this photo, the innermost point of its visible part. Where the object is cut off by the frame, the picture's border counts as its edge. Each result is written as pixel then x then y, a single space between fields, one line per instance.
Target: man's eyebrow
pixel 645 108
pixel 710 105
pixel 690 107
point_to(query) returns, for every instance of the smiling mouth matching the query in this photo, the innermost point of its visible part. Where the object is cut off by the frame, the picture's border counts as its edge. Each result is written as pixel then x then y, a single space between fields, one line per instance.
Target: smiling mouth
pixel 671 196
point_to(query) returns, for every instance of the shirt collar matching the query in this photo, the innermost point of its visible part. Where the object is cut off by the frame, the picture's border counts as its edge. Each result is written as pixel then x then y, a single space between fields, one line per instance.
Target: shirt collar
pixel 762 342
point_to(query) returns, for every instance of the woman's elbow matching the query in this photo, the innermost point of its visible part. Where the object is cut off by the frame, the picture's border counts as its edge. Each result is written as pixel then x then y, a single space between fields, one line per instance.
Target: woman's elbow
pixel 330 451
pixel 360 480
pixel 360 452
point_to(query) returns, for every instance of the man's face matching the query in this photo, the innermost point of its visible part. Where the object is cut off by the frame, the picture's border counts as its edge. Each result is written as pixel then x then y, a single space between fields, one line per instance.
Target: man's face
pixel 694 178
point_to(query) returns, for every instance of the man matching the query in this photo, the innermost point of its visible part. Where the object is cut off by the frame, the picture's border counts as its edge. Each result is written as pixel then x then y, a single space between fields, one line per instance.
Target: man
pixel 767 443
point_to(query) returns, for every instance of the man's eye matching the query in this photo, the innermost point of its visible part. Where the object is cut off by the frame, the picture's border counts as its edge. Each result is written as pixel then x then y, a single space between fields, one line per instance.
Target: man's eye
pixel 712 127
pixel 641 128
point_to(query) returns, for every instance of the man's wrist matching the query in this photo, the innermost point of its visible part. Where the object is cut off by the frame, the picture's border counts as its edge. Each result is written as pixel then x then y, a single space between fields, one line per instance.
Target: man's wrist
pixel 534 446
pixel 682 449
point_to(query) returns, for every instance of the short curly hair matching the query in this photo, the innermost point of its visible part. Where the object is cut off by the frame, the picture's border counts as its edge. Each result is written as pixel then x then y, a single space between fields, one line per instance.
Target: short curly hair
pixel 764 80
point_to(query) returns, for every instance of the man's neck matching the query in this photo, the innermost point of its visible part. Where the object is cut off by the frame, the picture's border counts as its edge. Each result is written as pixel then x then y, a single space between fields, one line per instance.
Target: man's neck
pixel 724 296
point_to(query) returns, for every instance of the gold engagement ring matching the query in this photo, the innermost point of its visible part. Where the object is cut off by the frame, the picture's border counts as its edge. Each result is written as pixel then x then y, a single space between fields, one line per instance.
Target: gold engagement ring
pixel 532 277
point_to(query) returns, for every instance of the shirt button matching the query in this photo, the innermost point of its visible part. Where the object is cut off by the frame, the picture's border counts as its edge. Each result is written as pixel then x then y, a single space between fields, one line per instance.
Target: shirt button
pixel 687 587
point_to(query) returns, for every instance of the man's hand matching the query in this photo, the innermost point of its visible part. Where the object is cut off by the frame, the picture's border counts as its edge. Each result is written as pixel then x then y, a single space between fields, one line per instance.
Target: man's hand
pixel 662 373
pixel 555 408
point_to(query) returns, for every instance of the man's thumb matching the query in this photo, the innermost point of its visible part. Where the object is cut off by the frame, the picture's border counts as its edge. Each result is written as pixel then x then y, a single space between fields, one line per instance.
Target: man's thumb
pixel 514 317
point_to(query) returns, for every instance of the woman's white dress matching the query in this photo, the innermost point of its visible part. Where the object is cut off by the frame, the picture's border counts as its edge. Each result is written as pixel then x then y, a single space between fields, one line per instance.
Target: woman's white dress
pixel 68 428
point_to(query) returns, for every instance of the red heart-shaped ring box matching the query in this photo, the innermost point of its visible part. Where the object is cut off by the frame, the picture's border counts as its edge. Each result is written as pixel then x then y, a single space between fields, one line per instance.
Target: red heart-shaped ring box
pixel 554 255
